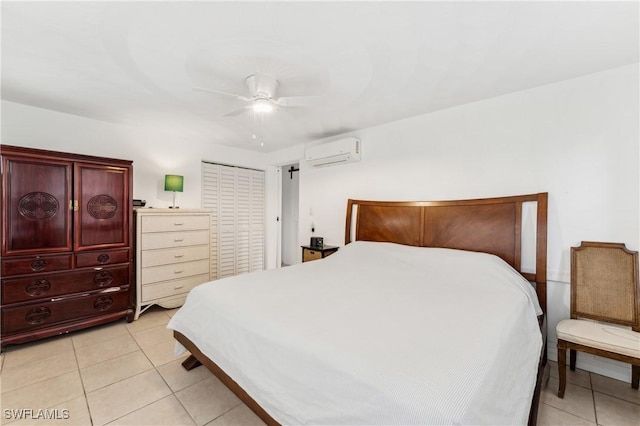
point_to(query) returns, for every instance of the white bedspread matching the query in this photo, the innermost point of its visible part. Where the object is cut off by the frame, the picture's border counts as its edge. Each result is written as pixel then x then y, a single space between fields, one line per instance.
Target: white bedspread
pixel 377 333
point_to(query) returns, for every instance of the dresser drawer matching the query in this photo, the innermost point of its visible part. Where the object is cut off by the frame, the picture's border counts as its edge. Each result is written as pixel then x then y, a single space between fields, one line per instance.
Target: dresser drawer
pixel 154 274
pixel 174 239
pixel 168 222
pixel 152 292
pixel 311 255
pixel 173 255
pixel 33 287
pixel 35 264
pixel 97 258
pixel 39 315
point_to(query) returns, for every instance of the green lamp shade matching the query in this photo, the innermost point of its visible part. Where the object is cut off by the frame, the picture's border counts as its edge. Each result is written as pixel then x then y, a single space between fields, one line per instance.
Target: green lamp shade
pixel 173 183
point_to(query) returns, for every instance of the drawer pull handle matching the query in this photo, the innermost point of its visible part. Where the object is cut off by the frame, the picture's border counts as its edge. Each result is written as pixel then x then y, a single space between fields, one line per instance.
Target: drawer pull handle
pixel 177 240
pixel 178 272
pixel 178 287
pixel 178 223
pixel 38 315
pixel 103 258
pixel 103 303
pixel 38 287
pixel 38 265
pixel 103 278
pixel 178 255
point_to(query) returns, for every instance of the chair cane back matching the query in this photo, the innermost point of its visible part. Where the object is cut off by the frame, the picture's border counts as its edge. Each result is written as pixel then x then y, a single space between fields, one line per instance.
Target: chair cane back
pixel 605 302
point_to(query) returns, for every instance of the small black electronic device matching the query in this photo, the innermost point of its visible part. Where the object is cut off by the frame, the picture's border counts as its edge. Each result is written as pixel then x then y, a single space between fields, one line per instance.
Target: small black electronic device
pixel 139 203
pixel 316 242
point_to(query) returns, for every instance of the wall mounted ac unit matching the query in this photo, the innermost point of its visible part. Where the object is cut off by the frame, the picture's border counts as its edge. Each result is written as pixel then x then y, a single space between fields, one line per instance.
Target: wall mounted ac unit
pixel 342 151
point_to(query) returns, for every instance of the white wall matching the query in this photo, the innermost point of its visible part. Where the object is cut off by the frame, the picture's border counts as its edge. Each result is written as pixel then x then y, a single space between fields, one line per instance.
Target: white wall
pixel 153 152
pixel 577 140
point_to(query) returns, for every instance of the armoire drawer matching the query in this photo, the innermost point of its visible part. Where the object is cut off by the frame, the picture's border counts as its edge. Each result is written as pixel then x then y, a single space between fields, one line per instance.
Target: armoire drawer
pixel 33 287
pixel 98 258
pixel 151 292
pixel 50 312
pixel 35 264
pixel 173 255
pixel 155 274
pixel 167 222
pixel 174 239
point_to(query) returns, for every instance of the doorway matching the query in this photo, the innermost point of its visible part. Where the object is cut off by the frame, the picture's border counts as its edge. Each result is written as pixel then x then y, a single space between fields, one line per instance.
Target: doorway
pixel 290 176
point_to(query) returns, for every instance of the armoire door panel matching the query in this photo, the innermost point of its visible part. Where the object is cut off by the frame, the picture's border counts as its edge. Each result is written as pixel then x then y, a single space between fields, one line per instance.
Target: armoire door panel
pixel 103 206
pixel 39 219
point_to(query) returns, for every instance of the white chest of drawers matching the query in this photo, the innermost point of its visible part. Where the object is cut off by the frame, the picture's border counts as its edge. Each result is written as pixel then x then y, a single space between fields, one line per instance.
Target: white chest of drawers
pixel 172 255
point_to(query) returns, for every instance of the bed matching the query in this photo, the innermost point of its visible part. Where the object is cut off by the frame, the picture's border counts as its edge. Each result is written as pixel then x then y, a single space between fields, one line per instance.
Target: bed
pixel 425 316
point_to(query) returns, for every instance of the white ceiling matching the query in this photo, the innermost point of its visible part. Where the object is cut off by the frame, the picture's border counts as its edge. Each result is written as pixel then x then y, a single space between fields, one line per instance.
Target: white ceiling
pixel 369 63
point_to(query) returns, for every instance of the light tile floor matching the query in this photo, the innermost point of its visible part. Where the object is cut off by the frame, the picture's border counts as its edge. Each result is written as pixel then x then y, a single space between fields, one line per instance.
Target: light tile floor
pixel 117 374
pixel 127 374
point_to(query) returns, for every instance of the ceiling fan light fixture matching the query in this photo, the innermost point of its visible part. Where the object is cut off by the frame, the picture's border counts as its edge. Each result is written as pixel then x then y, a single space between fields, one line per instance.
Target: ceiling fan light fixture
pixel 262 105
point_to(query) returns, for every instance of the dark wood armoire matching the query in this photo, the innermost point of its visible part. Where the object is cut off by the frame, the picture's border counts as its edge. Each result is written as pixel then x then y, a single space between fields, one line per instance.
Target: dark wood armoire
pixel 66 242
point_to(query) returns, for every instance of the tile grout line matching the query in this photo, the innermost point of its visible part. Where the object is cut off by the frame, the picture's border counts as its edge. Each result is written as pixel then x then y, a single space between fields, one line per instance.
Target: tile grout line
pixel 48 378
pixel 155 367
pixel 222 414
pixel 169 386
pixel 172 391
pixel 593 399
pixel 84 390
pixel 176 396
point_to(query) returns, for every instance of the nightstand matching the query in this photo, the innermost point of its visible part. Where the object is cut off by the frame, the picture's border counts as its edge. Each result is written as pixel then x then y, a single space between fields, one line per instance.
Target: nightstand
pixel 312 253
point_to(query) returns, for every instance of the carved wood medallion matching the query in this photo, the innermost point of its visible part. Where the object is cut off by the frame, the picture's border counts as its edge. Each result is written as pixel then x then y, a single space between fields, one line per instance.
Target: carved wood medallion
pixel 103 303
pixel 38 287
pixel 103 278
pixel 102 207
pixel 38 206
pixel 38 315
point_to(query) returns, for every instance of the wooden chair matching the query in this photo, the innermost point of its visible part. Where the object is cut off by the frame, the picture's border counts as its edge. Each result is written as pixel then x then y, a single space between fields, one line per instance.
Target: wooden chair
pixel 604 289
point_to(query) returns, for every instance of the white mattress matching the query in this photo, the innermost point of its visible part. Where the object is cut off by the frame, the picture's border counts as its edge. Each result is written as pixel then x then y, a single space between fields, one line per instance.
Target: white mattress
pixel 377 333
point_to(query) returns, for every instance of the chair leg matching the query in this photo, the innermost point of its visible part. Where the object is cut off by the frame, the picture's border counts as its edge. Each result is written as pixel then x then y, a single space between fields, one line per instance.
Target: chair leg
pixel 572 359
pixel 635 376
pixel 562 371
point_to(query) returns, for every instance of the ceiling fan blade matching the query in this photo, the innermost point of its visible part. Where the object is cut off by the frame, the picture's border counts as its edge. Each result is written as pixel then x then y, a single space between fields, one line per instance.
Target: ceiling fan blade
pixel 237 111
pixel 295 101
pixel 204 89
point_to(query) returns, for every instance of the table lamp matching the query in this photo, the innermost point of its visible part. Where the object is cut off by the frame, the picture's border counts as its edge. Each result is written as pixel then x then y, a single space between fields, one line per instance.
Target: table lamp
pixel 173 183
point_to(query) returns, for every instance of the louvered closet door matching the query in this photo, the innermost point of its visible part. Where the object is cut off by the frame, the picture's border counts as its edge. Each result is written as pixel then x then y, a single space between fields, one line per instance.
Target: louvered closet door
pixel 243 209
pixel 211 201
pixel 236 198
pixel 256 218
pixel 227 223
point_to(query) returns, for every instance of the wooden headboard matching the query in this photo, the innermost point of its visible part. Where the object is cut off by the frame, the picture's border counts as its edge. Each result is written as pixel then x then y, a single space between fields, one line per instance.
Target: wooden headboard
pixel 489 225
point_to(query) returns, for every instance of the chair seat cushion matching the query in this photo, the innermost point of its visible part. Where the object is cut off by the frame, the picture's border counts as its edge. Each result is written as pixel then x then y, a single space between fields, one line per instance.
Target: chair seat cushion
pixel 600 336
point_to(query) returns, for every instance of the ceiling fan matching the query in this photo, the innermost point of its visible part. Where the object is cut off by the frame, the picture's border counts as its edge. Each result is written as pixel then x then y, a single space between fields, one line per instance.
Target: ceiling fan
pixel 262 98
